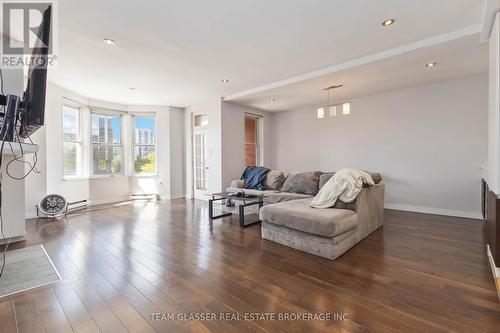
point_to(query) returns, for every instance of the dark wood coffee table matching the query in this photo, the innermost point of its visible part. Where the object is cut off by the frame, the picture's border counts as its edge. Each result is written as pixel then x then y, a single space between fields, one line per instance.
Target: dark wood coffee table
pixel 244 203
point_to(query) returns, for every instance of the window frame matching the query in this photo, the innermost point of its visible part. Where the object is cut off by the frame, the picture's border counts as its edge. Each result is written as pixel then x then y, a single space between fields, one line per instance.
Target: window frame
pixel 103 112
pixel 259 154
pixel 133 144
pixel 79 141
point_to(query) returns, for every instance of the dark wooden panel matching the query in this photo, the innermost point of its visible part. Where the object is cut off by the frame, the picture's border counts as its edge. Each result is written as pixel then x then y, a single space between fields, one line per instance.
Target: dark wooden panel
pixel 493 225
pixel 484 197
pixel 250 141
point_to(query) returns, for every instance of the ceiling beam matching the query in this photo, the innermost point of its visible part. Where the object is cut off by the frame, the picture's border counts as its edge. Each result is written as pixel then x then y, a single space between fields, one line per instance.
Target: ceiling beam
pixel 491 8
pixel 439 39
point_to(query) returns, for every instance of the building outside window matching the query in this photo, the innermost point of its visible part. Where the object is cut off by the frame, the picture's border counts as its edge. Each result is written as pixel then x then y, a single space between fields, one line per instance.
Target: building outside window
pixel 144 145
pixel 106 138
pixel 72 142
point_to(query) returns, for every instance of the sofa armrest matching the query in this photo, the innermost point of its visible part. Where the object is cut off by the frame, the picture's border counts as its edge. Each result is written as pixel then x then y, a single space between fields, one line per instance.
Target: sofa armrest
pixel 370 209
pixel 238 183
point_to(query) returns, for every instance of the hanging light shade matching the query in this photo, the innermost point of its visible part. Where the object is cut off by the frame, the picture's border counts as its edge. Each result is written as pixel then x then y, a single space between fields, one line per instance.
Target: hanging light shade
pixel 333 111
pixel 321 113
pixel 346 108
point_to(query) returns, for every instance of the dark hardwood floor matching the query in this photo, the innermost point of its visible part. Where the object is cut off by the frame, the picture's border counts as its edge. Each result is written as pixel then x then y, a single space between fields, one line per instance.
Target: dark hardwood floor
pixel 419 273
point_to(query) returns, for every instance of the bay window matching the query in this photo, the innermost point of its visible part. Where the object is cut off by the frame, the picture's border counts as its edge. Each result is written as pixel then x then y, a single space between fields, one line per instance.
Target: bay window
pixel 114 143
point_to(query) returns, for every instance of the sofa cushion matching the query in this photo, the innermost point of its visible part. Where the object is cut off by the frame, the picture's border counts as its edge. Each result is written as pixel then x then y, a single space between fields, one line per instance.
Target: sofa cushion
pixel 377 177
pixel 297 214
pixel 324 178
pixel 274 180
pixel 284 196
pixel 250 191
pixel 237 183
pixel 305 183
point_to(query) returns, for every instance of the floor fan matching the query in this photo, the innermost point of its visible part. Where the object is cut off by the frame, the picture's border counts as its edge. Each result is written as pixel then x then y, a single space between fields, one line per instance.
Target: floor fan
pixel 52 206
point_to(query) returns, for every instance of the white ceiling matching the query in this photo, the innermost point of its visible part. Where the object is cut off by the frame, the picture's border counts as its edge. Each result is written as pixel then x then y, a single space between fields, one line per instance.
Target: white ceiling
pixel 455 58
pixel 177 52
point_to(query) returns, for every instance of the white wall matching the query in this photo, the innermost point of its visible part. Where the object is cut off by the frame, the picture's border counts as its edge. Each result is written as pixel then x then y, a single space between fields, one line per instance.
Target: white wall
pixel 36 183
pixel 233 140
pixel 13 84
pixel 177 166
pixel 12 81
pixel 109 189
pixel 428 142
pixel 494 110
pixel 13 190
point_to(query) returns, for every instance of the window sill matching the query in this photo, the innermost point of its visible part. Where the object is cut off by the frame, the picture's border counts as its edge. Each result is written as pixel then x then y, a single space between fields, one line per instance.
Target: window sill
pixel 74 178
pixel 108 177
pixel 150 175
pixel 147 175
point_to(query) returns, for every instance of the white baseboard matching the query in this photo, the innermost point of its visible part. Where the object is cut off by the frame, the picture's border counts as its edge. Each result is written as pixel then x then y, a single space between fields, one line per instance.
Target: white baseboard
pixel 435 211
pixel 109 201
pixel 30 215
pixel 172 197
pixel 12 239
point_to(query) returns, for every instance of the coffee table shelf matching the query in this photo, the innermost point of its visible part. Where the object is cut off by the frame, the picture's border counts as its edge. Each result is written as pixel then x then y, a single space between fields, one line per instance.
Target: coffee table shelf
pixel 244 203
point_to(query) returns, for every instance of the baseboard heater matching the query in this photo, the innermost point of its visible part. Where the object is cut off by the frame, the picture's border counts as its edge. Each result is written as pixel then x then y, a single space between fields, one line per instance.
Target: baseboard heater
pixel 77 205
pixel 145 196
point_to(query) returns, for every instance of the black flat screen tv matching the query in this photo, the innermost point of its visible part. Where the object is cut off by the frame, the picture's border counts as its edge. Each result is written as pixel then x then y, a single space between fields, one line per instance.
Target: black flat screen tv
pixel 33 104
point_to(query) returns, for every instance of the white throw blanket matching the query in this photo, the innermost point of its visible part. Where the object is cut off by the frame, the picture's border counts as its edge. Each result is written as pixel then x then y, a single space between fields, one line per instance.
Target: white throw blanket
pixel 344 185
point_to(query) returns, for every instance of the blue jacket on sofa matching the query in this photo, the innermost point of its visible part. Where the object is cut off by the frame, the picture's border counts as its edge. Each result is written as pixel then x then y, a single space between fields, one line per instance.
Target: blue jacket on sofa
pixel 254 177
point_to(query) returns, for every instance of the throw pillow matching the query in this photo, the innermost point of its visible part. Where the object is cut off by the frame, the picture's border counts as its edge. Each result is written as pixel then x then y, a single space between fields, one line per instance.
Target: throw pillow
pixel 305 183
pixel 324 178
pixel 274 180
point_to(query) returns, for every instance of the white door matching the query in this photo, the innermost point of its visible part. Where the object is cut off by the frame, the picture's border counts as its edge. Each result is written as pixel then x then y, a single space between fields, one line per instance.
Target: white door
pixel 200 165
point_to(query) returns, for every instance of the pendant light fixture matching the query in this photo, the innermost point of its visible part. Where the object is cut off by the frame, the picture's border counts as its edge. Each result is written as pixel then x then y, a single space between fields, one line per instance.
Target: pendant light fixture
pixel 332 107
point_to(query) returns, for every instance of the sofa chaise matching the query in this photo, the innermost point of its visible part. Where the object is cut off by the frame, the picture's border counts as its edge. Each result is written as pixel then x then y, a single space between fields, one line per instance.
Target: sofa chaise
pixel 287 218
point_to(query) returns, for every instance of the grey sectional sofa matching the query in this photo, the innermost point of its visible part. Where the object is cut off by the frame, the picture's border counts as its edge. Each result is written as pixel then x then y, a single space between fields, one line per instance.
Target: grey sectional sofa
pixel 287 218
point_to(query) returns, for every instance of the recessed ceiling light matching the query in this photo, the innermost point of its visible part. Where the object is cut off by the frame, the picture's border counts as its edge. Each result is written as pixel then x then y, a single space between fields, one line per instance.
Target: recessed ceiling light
pixel 225 81
pixel 109 42
pixel 272 100
pixel 431 64
pixel 132 88
pixel 388 22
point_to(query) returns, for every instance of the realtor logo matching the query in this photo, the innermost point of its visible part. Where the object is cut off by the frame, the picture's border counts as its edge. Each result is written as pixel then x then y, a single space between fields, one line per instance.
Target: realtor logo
pixel 28 33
